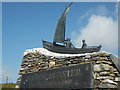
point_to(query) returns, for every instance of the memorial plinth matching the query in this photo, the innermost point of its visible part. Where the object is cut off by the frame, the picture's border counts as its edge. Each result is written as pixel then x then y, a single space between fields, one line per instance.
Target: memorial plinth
pixel 41 68
pixel 75 77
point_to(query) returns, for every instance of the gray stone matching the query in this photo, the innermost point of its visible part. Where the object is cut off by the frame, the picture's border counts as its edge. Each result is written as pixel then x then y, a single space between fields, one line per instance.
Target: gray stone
pixel 76 59
pixel 109 81
pixel 72 64
pixel 20 73
pixel 107 85
pixel 103 58
pixel 51 57
pixel 112 69
pixel 96 82
pixel 43 65
pixel 21 69
pixel 85 60
pixel 113 75
pixel 35 59
pixel 59 62
pixel 104 73
pixel 97 68
pixel 105 77
pixel 68 62
pixel 88 56
pixel 95 55
pixel 75 62
pixel 117 79
pixel 95 58
pixel 52 64
pixel 104 54
pixel 95 75
pixel 29 65
pixel 39 63
pixel 106 67
pixel 105 62
pixel 58 65
pixel 116 61
pixel 42 57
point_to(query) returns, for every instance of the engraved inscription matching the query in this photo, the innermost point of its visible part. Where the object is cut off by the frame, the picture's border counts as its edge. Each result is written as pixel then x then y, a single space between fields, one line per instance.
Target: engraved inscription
pixel 69 77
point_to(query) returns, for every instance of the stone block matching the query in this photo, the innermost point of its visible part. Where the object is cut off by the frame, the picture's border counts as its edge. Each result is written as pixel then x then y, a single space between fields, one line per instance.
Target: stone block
pixel 117 79
pixel 104 62
pixel 107 85
pixel 97 68
pixel 88 56
pixel 109 81
pixel 51 64
pixel 104 73
pixel 104 77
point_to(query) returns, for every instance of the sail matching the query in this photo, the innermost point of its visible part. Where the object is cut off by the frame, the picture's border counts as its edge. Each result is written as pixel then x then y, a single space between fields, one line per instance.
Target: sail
pixel 59 35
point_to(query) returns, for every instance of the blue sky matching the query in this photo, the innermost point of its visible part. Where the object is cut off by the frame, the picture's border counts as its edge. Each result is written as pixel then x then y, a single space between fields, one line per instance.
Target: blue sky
pixel 24 25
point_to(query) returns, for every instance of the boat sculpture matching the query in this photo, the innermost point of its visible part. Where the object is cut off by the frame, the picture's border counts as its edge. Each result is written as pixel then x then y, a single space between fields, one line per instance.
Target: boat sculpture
pixel 64 46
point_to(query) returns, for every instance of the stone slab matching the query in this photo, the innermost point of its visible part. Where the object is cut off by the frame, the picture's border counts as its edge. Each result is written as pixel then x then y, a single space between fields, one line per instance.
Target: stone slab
pixel 71 77
pixel 116 61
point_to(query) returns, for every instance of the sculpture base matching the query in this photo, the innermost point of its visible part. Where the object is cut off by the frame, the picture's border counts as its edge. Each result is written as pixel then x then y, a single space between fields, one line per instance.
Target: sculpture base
pixel 72 77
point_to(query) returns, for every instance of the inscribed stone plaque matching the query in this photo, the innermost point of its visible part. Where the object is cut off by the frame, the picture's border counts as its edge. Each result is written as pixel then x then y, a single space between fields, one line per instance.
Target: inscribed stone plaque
pixel 71 77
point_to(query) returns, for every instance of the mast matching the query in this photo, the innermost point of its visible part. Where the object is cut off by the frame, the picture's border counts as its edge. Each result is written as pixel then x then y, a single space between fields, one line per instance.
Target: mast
pixel 59 35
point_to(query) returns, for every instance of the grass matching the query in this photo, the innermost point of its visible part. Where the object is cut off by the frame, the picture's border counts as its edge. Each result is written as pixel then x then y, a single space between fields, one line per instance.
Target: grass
pixel 8 85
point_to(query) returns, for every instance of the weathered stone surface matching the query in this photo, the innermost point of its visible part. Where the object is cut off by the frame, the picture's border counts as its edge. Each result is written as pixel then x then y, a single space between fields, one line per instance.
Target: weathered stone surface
pixel 105 62
pixel 95 75
pixel 96 83
pixel 109 81
pixel 88 56
pixel 107 85
pixel 52 64
pixel 97 68
pixel 105 77
pixel 67 77
pixel 116 61
pixel 117 79
pixel 21 69
pixel 104 69
pixel 104 73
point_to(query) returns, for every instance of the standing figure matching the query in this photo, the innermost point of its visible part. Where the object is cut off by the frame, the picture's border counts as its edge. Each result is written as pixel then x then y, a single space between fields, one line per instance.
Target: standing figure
pixel 84 45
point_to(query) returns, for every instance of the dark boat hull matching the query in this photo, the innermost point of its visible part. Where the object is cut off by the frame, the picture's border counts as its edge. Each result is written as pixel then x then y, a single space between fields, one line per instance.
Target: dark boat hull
pixel 68 50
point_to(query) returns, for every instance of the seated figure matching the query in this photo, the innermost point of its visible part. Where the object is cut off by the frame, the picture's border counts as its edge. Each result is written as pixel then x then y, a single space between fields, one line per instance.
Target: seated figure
pixel 67 42
pixel 84 45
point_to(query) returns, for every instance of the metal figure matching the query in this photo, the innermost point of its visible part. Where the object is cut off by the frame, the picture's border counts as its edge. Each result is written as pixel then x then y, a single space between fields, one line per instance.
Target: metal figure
pixel 84 45
pixel 67 42
pixel 60 45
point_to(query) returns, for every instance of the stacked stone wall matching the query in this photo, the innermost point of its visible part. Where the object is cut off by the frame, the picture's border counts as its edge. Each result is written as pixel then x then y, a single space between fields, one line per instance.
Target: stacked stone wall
pixel 105 74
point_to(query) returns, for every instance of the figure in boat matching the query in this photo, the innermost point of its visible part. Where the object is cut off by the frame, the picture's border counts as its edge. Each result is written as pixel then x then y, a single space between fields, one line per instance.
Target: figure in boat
pixel 68 43
pixel 84 45
pixel 66 47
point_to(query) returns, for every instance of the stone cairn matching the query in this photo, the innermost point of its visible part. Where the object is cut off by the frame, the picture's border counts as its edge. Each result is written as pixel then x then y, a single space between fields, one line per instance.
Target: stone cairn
pixel 105 74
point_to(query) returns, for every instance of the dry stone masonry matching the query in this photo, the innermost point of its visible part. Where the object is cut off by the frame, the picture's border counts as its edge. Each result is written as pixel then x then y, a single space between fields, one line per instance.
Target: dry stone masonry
pixel 105 73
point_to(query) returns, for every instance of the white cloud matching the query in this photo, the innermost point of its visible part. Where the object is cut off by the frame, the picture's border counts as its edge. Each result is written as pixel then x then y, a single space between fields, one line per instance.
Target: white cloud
pixel 98 10
pixel 99 30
